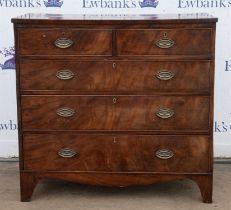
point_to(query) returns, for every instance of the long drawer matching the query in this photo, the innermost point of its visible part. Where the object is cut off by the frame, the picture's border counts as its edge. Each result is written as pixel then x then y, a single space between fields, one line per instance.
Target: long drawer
pixel 61 41
pixel 174 76
pixel 164 42
pixel 117 112
pixel 116 153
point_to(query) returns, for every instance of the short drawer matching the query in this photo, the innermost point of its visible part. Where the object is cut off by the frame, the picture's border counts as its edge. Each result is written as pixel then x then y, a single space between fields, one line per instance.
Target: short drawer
pixel 166 76
pixel 116 153
pixel 119 113
pixel 164 42
pixel 64 42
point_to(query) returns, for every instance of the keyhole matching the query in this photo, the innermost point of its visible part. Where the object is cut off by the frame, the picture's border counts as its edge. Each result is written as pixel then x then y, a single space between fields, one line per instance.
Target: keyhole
pixel 165 34
pixel 114 65
pixel 114 140
pixel 114 100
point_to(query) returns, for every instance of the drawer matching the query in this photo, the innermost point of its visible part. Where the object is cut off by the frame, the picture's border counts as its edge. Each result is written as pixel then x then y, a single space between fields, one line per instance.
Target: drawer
pixel 168 76
pixel 112 153
pixel 64 41
pixel 164 42
pixel 119 113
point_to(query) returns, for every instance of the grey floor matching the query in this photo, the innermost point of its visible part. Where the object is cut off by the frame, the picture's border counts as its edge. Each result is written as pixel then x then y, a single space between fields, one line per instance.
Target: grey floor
pixel 62 195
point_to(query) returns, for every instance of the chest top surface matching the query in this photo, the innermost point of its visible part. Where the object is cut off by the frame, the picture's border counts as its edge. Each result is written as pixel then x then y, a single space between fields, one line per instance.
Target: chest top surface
pixel 113 19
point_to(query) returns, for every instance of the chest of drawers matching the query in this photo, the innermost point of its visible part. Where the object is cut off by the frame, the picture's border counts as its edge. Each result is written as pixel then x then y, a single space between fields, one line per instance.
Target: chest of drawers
pixel 115 100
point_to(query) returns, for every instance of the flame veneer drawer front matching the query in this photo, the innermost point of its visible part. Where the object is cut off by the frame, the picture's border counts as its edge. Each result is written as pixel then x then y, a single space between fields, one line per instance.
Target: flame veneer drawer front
pixel 150 76
pixel 164 42
pixel 135 113
pixel 116 153
pixel 66 41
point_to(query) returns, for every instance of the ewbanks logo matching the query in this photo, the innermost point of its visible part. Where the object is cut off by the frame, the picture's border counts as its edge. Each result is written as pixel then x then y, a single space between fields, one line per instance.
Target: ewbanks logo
pixel 222 127
pixel 20 3
pixel 149 3
pixel 9 61
pixel 228 65
pixel 31 3
pixel 109 4
pixel 119 4
pixel 8 126
pixel 204 3
pixel 53 3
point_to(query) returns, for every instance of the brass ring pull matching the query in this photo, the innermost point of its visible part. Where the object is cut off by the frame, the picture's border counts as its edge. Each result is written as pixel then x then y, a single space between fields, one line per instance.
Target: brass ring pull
pixel 67 153
pixel 164 154
pixel 164 113
pixel 65 112
pixel 63 43
pixel 165 43
pixel 64 74
pixel 165 75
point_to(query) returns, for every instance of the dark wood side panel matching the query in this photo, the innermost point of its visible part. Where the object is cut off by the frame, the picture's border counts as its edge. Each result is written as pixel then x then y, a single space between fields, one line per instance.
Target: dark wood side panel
pixel 117 153
pixel 85 42
pixel 19 115
pixel 115 113
pixel 143 42
pixel 115 75
pixel 212 75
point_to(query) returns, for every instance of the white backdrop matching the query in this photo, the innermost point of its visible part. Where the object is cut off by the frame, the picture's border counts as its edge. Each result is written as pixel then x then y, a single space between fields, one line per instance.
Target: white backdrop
pixel 218 8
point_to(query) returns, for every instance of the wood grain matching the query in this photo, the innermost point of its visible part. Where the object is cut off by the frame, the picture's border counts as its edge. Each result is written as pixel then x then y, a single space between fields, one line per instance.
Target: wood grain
pixel 115 130
pixel 127 113
pixel 116 153
pixel 85 42
pixel 143 42
pixel 204 181
pixel 130 76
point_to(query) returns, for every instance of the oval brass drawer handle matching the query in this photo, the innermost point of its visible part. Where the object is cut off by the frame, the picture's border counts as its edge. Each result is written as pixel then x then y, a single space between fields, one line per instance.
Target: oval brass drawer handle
pixel 65 112
pixel 63 43
pixel 165 43
pixel 67 153
pixel 164 154
pixel 165 75
pixel 65 74
pixel 164 113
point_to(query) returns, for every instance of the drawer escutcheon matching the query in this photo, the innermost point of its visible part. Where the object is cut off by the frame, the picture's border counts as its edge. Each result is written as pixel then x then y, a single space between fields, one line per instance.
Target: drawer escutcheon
pixel 67 153
pixel 114 100
pixel 164 154
pixel 65 74
pixel 165 75
pixel 65 112
pixel 63 43
pixel 164 113
pixel 165 42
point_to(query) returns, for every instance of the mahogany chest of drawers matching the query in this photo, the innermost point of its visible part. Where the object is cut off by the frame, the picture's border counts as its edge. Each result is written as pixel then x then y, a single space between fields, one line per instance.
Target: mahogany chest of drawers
pixel 115 100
